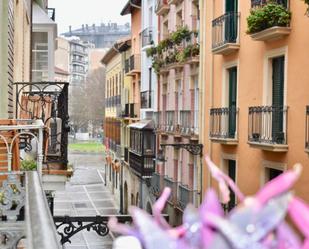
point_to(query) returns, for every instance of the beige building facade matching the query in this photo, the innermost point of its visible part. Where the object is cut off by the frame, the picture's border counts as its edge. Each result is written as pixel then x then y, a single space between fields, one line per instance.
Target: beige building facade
pixel 255 93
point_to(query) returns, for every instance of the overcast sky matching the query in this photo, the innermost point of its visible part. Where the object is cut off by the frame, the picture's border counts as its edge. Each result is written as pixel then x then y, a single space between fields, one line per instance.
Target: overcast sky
pixel 78 12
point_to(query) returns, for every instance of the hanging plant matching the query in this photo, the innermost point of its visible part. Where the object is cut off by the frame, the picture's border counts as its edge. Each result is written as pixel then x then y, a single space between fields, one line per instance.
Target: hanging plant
pixel 195 51
pixel 270 15
pixel 150 52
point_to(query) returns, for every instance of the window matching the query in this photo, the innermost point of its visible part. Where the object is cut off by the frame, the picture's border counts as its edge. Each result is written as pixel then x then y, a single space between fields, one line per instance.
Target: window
pixel 229 167
pixel 40 56
pixel 272 173
pixel 232 100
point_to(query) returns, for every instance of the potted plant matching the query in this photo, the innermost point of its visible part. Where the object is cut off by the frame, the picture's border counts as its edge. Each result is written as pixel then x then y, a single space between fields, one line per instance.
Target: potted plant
pixel 271 15
pixel 28 165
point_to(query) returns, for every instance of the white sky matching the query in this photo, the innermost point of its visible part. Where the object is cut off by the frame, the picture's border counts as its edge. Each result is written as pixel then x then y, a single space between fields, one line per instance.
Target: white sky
pixel 78 12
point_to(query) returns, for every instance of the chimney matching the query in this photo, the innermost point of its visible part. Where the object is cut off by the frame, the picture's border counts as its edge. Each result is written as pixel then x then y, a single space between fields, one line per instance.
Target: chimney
pixel 93 27
pixel 87 27
pixel 83 27
pixel 70 29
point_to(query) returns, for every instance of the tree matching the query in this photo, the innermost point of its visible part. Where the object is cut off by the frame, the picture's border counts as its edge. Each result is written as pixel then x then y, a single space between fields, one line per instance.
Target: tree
pixel 87 102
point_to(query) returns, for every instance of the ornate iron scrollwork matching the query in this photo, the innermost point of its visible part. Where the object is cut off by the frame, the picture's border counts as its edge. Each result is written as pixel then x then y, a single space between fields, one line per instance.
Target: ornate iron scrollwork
pixel 195 149
pixel 10 239
pixel 67 226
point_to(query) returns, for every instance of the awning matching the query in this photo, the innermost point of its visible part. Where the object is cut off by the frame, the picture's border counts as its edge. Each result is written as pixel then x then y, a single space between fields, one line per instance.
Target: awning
pixel 143 124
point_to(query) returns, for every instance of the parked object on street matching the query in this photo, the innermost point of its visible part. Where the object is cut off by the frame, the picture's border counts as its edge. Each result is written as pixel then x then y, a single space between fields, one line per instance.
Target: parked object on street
pixel 257 222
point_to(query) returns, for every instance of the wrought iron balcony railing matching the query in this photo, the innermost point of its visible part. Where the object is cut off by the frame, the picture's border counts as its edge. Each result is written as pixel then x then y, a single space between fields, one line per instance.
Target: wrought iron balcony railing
pixel 307 128
pixel 185 196
pixel 268 124
pixel 185 122
pixel 26 213
pixel 224 123
pixel 146 99
pixel 135 62
pixel 258 3
pixel 157 119
pixel 225 30
pixel 147 36
pixel 133 110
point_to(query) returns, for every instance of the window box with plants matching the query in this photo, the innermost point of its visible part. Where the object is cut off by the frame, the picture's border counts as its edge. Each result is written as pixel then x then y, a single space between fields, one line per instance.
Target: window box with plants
pixel 269 22
pixel 174 52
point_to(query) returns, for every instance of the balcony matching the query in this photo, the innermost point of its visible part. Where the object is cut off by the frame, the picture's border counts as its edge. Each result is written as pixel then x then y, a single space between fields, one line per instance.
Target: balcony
pixel 147 37
pixel 146 98
pixel 157 120
pixel 224 125
pixel 133 65
pixel 25 213
pixel 162 7
pixel 172 184
pixel 275 23
pixel 143 165
pixel 225 30
pixel 185 196
pixel 185 123
pixel 307 129
pixel 268 128
pixel 156 184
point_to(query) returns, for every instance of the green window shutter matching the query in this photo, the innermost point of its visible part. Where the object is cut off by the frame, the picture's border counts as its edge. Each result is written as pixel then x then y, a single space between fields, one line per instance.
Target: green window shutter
pixel 231 5
pixel 277 98
pixel 232 100
pixel 232 175
pixel 231 24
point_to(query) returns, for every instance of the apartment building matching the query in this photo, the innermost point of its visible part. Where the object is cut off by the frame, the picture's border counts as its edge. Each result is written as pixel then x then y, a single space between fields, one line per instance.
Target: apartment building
pixel 44 34
pixel 176 60
pixel 255 91
pixel 15 19
pixel 113 63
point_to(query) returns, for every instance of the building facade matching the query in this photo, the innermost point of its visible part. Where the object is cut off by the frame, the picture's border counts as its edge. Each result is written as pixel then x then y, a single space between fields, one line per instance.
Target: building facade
pixel 112 124
pixel 178 91
pixel 44 34
pixel 62 60
pixel 102 36
pixel 15 27
pixel 255 99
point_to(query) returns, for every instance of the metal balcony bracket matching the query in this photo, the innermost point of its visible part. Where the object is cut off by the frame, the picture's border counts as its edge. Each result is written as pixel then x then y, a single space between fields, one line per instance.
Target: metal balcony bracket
pixel 195 149
pixel 67 226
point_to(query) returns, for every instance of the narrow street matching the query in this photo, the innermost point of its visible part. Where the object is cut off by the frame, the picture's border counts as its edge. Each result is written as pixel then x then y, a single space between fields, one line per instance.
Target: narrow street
pixel 86 195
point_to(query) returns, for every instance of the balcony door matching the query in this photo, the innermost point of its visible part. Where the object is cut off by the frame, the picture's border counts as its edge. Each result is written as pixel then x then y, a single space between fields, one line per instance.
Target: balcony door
pixel 277 99
pixel 231 25
pixel 232 72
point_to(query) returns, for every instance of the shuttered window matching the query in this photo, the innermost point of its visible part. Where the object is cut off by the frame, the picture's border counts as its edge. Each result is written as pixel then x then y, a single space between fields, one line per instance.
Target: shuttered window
pixel 277 98
pixel 10 56
pixel 232 100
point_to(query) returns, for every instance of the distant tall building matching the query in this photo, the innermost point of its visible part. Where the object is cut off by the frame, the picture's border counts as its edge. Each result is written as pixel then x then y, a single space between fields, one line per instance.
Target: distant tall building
pixel 103 36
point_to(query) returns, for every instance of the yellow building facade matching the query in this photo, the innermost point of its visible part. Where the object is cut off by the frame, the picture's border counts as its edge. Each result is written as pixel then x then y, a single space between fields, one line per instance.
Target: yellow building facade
pixel 255 92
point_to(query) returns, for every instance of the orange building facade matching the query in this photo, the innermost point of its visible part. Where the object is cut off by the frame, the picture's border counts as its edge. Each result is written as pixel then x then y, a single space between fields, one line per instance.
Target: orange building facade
pixel 255 93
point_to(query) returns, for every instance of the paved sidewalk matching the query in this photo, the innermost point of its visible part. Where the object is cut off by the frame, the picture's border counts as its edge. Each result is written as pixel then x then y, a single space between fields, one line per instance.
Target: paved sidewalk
pixel 86 195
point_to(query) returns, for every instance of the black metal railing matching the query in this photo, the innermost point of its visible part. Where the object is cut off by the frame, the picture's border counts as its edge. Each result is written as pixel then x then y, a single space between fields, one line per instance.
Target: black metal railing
pixel 172 184
pixel 135 62
pixel 268 124
pixel 51 13
pixel 146 99
pixel 225 29
pixel 47 101
pixel 147 37
pixel 142 165
pixel 126 154
pixel 223 123
pixel 259 3
pixel 185 196
pixel 307 128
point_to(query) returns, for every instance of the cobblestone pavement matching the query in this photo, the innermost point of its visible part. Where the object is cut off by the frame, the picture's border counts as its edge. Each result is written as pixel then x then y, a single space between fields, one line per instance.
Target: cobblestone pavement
pixel 86 195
